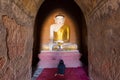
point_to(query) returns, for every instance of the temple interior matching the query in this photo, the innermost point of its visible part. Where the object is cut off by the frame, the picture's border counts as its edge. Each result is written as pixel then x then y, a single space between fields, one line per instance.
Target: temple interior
pixel 37 34
pixel 75 19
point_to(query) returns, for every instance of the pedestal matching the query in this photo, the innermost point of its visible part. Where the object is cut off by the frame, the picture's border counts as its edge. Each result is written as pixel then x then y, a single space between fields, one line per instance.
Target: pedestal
pixel 50 59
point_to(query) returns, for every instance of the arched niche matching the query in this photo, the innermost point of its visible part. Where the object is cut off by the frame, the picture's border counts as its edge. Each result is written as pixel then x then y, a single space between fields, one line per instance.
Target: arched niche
pixel 74 18
pixel 45 32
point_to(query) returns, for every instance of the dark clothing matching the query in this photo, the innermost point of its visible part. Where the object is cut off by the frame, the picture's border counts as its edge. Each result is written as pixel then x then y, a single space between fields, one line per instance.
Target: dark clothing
pixel 61 67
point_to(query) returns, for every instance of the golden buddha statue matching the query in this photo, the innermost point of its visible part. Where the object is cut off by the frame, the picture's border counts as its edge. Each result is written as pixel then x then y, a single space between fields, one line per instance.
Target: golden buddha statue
pixel 60 35
pixel 59 32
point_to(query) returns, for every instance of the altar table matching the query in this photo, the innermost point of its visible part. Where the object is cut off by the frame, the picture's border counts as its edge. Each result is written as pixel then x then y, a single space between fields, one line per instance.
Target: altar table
pixel 50 59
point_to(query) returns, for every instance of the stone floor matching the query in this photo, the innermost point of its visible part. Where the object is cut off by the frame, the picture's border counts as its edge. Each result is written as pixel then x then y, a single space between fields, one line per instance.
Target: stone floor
pixel 37 73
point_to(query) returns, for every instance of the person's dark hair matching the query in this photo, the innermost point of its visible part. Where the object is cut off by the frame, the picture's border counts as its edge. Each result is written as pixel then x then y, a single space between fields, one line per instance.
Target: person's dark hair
pixel 61 62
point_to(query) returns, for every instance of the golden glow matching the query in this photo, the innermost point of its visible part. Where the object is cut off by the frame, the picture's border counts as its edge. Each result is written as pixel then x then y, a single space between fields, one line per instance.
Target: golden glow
pixel 45 36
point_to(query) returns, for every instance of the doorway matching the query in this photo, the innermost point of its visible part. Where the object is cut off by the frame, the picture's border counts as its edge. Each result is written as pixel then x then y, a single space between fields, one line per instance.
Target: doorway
pixel 74 13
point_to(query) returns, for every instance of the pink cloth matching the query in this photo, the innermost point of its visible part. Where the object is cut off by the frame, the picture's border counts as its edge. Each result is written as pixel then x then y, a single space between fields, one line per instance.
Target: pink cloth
pixel 50 59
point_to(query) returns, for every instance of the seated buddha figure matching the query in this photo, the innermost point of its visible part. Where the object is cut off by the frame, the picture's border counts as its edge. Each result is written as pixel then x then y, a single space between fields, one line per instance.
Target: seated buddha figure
pixel 60 35
pixel 59 32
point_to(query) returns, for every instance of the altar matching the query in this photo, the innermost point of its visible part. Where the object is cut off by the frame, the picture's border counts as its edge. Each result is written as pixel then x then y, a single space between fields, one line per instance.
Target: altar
pixel 59 47
pixel 50 59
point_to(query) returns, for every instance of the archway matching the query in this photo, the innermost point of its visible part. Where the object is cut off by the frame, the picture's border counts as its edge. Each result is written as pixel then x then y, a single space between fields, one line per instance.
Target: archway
pixel 70 9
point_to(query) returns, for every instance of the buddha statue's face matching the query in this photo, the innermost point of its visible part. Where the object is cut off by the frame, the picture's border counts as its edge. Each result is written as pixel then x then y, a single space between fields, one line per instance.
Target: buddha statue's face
pixel 59 19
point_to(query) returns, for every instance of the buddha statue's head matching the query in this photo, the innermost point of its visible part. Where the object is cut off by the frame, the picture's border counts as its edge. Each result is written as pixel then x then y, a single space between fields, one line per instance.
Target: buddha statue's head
pixel 59 19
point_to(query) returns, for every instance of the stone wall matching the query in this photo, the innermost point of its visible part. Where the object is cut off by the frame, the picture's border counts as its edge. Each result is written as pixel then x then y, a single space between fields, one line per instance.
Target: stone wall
pixel 103 25
pixel 103 41
pixel 16 38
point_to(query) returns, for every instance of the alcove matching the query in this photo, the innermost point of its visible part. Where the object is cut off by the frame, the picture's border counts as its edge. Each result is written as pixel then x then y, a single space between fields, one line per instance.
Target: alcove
pixel 74 17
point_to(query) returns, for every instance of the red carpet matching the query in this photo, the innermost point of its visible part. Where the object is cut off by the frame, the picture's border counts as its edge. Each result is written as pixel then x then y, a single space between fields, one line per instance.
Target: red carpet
pixel 70 74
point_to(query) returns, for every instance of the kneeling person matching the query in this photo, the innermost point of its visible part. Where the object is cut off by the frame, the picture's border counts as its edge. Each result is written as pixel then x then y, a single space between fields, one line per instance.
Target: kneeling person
pixel 61 68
